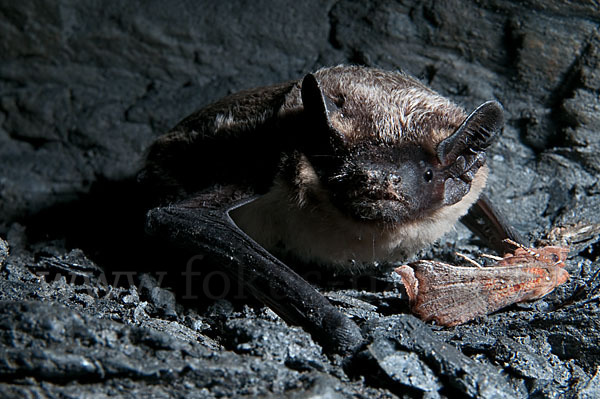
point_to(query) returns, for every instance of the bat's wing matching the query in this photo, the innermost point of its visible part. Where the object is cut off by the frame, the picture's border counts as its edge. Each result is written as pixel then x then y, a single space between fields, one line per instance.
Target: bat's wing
pixel 203 224
pixel 489 224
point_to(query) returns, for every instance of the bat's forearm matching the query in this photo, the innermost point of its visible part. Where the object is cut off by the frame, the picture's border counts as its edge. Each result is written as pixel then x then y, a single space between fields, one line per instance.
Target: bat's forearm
pixel 267 278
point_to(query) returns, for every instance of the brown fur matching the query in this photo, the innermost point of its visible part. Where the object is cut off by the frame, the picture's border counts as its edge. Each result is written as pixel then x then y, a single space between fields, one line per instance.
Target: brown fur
pixel 391 107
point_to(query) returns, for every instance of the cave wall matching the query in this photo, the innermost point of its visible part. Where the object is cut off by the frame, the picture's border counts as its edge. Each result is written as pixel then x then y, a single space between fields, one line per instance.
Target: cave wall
pixel 85 86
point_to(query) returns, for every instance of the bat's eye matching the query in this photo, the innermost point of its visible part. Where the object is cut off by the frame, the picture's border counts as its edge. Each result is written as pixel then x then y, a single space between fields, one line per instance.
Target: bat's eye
pixel 428 176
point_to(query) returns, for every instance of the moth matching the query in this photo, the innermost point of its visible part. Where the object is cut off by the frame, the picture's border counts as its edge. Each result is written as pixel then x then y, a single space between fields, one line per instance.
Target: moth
pixel 452 295
pixel 347 169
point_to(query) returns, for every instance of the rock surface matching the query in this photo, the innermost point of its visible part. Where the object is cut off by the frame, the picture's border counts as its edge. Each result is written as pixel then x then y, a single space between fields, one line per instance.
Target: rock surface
pixel 86 86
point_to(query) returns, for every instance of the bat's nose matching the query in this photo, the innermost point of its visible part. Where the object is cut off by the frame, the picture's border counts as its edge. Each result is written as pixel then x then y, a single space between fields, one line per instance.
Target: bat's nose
pixel 384 185
pixel 383 177
pixel 374 174
pixel 394 179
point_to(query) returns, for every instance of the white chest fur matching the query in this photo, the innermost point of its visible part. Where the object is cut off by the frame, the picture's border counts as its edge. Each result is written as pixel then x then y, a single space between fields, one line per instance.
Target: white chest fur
pixel 319 232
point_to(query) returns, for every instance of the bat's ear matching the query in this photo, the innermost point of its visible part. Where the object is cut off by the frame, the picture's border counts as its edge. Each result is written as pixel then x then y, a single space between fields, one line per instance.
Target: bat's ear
pixel 321 137
pixel 316 104
pixel 475 134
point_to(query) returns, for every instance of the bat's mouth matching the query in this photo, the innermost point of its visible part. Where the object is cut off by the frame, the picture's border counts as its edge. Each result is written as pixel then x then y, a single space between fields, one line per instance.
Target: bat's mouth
pixel 384 204
pixel 386 212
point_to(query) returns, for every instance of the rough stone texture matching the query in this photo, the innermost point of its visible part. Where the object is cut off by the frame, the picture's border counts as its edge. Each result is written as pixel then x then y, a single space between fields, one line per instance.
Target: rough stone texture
pixel 85 86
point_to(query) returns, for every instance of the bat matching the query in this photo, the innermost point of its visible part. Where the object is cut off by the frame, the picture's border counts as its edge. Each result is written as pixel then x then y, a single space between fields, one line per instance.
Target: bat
pixel 347 169
pixel 452 295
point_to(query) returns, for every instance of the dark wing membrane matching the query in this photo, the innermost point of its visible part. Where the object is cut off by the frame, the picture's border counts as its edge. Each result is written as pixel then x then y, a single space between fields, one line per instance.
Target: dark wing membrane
pixel 202 224
pixel 235 140
pixel 490 225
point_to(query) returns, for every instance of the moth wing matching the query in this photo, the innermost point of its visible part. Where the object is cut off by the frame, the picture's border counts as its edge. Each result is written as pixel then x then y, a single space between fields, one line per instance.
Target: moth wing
pixel 445 296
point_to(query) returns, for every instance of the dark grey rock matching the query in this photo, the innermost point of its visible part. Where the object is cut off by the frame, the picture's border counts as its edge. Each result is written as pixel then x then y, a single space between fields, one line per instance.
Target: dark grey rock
pixel 113 356
pixel 463 374
pixel 163 299
pixel 403 367
pixel 85 87
pixel 4 250
pixel 589 388
pixel 274 340
pixel 519 359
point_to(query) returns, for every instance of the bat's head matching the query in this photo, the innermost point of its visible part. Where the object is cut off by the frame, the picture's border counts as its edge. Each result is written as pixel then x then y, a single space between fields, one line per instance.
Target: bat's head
pixel 391 150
